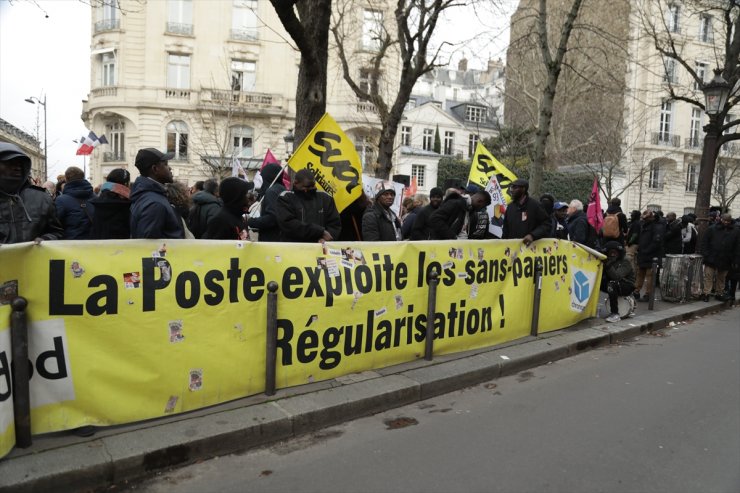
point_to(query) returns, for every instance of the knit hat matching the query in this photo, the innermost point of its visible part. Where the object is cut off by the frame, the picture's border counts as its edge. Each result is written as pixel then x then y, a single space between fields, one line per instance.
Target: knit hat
pixel 232 191
pixel 384 186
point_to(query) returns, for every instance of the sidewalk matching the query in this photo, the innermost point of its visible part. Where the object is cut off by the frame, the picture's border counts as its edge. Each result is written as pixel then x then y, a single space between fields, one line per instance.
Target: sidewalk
pixel 61 462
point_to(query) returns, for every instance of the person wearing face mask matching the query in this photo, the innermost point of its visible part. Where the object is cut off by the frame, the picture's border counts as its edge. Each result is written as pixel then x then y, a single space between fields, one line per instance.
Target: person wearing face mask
pixel 306 215
pixel 618 278
pixel 27 212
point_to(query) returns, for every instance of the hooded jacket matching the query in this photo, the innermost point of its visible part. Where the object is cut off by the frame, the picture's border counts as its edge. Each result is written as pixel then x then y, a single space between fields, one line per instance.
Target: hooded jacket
pixel 26 211
pixel 152 216
pixel 720 246
pixel 205 207
pixel 75 209
pixel 229 223
pixel 112 216
pixel 303 217
pixel 266 223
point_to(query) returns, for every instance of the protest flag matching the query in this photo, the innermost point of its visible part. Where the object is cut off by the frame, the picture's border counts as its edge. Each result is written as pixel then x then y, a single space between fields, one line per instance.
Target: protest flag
pixel 271 159
pixel 484 166
pixel 496 208
pixel 595 217
pixel 332 159
pixel 411 189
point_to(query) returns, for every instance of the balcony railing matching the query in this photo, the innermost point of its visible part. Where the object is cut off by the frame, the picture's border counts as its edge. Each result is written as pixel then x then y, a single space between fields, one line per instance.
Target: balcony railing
pixel 179 28
pixel 244 34
pixel 365 107
pixel 177 93
pixel 109 157
pixel 665 139
pixel 100 92
pixel 730 148
pixel 238 99
pixel 107 25
pixel 694 142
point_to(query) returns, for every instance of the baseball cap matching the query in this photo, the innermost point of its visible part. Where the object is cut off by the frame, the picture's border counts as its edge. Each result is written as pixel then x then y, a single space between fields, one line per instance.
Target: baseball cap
pixel 146 158
pixel 520 182
pixel 559 205
pixel 472 188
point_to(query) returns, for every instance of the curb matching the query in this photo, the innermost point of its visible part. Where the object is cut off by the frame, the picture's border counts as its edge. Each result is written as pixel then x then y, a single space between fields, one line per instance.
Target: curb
pixel 134 454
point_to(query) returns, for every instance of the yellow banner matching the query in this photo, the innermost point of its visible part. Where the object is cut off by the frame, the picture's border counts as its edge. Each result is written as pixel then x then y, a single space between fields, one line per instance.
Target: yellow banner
pixel 484 165
pixel 7 427
pixel 122 331
pixel 331 156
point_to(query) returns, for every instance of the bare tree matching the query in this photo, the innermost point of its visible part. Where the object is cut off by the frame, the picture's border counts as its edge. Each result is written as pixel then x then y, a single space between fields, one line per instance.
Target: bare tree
pixel 660 24
pixel 307 22
pixel 408 39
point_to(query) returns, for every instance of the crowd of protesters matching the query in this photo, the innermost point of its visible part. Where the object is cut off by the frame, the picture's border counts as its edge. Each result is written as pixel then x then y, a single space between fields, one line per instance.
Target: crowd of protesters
pixel 155 206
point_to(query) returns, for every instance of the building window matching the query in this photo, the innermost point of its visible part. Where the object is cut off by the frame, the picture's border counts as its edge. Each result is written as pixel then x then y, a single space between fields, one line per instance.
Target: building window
pixel 419 171
pixel 244 20
pixel 475 114
pixel 688 210
pixel 180 17
pixel 666 121
pixel 115 133
pixel 449 144
pixel 372 30
pixel 472 144
pixel 405 136
pixel 178 71
pixel 653 207
pixel 242 139
pixel 673 16
pixel 705 28
pixel 692 177
pixel 695 130
pixel 410 105
pixel 427 142
pixel 701 73
pixel 670 75
pixel 108 61
pixel 243 75
pixel 107 16
pixel 369 80
pixel 720 181
pixel 655 179
pixel 177 140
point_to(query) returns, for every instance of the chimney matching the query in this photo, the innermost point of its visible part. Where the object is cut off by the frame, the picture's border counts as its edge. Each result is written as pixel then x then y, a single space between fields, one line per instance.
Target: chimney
pixel 462 65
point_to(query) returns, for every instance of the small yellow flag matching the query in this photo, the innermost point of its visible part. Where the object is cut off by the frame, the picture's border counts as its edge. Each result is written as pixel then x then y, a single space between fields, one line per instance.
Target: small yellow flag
pixel 332 159
pixel 484 165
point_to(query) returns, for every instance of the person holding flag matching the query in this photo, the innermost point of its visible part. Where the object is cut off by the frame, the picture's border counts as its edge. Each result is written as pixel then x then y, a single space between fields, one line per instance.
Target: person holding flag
pixel 272 188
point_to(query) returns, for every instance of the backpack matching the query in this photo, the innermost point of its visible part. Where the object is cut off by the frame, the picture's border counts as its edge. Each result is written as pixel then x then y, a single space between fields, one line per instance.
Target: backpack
pixel 610 229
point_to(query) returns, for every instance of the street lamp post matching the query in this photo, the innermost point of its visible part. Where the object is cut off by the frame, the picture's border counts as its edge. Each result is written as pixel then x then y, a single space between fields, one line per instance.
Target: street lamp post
pixel 716 93
pixel 289 139
pixel 34 100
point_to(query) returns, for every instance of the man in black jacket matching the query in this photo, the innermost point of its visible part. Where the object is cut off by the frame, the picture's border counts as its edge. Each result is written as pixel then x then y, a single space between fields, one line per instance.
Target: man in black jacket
pixel 75 209
pixel 579 229
pixel 229 223
pixel 380 223
pixel 673 240
pixel 421 229
pixel 152 215
pixel 649 246
pixel 618 278
pixel 272 186
pixel 305 214
pixel 206 205
pixel 720 247
pixel 26 211
pixel 458 217
pixel 524 218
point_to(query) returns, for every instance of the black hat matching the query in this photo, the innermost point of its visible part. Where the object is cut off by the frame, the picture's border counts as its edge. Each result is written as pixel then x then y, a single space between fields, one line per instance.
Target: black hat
pixel 520 182
pixel 146 158
pixel 436 192
pixel 119 175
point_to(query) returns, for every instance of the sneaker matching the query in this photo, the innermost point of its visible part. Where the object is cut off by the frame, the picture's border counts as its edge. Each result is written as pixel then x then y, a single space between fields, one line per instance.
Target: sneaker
pixel 705 297
pixel 613 318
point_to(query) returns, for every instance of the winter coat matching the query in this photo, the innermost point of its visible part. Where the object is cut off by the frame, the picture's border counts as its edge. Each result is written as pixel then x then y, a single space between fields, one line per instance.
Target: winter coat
pixel 152 216
pixel 304 217
pixel 28 215
pixel 408 223
pixel 227 224
pixel 688 238
pixel 447 221
pixel 579 229
pixel 720 246
pixel 112 217
pixel 421 230
pixel 673 240
pixel 376 226
pixel 266 223
pixel 527 218
pixel 619 269
pixel 351 218
pixel 205 207
pixel 558 229
pixel 650 243
pixel 74 209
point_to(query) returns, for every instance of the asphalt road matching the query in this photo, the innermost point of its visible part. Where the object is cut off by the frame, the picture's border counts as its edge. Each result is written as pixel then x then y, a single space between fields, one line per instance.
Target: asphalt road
pixel 660 413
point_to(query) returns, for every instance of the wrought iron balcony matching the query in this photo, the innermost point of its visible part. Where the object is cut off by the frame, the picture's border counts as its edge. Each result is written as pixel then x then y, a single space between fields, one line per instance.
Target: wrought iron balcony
pixel 179 28
pixel 665 139
pixel 694 142
pixel 107 25
pixel 109 157
pixel 244 34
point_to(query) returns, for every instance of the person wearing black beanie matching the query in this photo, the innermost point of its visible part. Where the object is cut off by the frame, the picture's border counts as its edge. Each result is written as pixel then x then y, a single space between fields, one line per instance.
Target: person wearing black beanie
pixel 229 223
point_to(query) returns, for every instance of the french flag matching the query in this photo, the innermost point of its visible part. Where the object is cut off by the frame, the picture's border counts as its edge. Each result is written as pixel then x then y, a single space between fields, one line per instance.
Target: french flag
pixel 89 143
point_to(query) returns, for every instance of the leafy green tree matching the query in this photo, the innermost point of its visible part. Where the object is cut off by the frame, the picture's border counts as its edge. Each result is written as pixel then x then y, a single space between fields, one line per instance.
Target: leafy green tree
pixel 437 142
pixel 452 168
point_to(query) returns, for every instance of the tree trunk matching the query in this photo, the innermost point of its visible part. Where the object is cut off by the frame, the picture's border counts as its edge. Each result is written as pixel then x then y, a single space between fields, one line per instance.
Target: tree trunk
pixel 543 130
pixel 706 172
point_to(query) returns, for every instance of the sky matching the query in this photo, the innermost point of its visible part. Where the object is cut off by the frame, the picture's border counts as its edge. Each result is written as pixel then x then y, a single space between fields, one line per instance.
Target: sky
pixel 45 52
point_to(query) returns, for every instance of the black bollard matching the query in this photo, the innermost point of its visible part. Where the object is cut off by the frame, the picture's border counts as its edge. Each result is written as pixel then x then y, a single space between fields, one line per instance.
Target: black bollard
pixel 271 336
pixel 537 293
pixel 651 287
pixel 21 377
pixel 431 309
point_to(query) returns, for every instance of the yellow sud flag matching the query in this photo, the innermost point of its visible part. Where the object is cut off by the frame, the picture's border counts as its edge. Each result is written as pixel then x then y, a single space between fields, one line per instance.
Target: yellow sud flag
pixel 332 159
pixel 484 165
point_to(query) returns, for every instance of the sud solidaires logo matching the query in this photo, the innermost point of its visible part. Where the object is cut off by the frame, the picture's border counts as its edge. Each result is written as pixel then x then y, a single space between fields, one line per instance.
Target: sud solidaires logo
pixel 582 286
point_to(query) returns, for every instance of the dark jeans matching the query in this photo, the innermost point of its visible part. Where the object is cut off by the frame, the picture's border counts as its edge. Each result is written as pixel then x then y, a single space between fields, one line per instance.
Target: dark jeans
pixel 615 289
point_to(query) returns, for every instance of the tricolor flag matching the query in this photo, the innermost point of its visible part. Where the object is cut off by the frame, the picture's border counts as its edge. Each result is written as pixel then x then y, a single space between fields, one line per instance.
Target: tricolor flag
pixel 593 212
pixel 89 143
